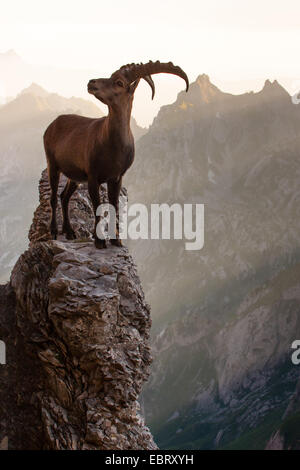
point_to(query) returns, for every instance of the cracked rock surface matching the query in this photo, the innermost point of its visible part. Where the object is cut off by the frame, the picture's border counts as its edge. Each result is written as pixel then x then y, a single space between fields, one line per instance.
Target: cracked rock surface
pixel 77 336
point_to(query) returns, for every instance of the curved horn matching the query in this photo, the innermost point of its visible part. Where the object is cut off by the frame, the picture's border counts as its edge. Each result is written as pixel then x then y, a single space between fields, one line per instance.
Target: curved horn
pixel 133 71
pixel 150 82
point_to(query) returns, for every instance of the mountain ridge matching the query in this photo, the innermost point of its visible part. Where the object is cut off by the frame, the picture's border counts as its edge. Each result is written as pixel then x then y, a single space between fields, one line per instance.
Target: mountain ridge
pixel 239 156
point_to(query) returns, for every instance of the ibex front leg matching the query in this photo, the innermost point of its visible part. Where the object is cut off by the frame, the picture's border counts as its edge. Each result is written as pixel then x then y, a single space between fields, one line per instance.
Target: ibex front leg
pixel 93 187
pixel 113 188
pixel 53 175
pixel 65 196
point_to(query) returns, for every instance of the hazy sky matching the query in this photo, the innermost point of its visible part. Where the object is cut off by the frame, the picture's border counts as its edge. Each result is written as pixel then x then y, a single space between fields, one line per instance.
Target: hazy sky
pixel 230 40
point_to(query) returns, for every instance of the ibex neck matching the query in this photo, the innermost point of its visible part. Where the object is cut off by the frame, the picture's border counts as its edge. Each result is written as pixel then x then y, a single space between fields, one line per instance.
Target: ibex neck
pixel 119 122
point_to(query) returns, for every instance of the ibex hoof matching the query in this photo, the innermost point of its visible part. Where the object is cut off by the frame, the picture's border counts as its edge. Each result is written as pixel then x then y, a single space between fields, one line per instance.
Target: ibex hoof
pixel 54 234
pixel 70 235
pixel 100 244
pixel 69 232
pixel 116 242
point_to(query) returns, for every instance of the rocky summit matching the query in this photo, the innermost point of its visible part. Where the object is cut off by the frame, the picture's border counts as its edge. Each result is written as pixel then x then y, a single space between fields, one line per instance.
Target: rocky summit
pixel 76 328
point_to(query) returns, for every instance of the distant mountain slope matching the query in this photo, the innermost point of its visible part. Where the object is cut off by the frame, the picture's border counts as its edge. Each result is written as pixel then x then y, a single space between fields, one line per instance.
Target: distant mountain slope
pixel 16 74
pixel 36 104
pixel 225 316
pixel 22 124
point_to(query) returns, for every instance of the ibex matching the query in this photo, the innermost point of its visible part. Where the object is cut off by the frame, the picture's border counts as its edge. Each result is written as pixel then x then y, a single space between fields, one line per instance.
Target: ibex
pixel 98 150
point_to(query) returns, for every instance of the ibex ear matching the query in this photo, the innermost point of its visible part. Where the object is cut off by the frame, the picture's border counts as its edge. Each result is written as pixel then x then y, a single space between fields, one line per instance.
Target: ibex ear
pixel 133 86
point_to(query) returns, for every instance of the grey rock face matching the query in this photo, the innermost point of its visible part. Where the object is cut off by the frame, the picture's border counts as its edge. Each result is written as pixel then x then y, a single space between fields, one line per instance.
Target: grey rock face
pixel 287 436
pixel 276 442
pixel 223 333
pixel 82 335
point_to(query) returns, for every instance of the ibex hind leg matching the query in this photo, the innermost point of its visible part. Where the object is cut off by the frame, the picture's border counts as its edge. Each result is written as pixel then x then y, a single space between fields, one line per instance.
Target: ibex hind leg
pixel 53 175
pixel 65 197
pixel 114 188
pixel 93 187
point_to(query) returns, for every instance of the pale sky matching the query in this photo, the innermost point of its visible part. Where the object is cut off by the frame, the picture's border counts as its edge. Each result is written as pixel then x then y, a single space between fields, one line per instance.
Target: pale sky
pixel 233 41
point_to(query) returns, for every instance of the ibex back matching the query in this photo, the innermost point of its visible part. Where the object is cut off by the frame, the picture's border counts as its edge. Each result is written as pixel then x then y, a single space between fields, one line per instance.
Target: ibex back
pixel 98 150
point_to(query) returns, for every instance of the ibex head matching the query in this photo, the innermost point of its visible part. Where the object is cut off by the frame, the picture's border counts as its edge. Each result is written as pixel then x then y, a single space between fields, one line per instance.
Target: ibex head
pixel 120 87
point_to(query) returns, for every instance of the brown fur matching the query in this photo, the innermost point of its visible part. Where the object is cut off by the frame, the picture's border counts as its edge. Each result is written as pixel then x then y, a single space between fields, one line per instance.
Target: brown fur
pixel 98 150
pixel 92 150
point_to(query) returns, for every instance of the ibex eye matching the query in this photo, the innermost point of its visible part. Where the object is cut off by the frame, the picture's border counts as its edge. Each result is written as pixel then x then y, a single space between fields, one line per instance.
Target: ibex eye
pixel 118 82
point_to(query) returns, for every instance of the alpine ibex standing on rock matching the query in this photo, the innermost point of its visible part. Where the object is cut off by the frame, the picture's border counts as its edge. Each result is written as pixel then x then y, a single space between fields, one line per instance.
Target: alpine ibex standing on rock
pixel 98 150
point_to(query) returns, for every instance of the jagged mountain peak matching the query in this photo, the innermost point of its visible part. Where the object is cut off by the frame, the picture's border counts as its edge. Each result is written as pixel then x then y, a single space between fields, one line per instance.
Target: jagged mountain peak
pixel 269 83
pixel 35 89
pixel 274 88
pixel 201 91
pixel 203 78
pixel 203 88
